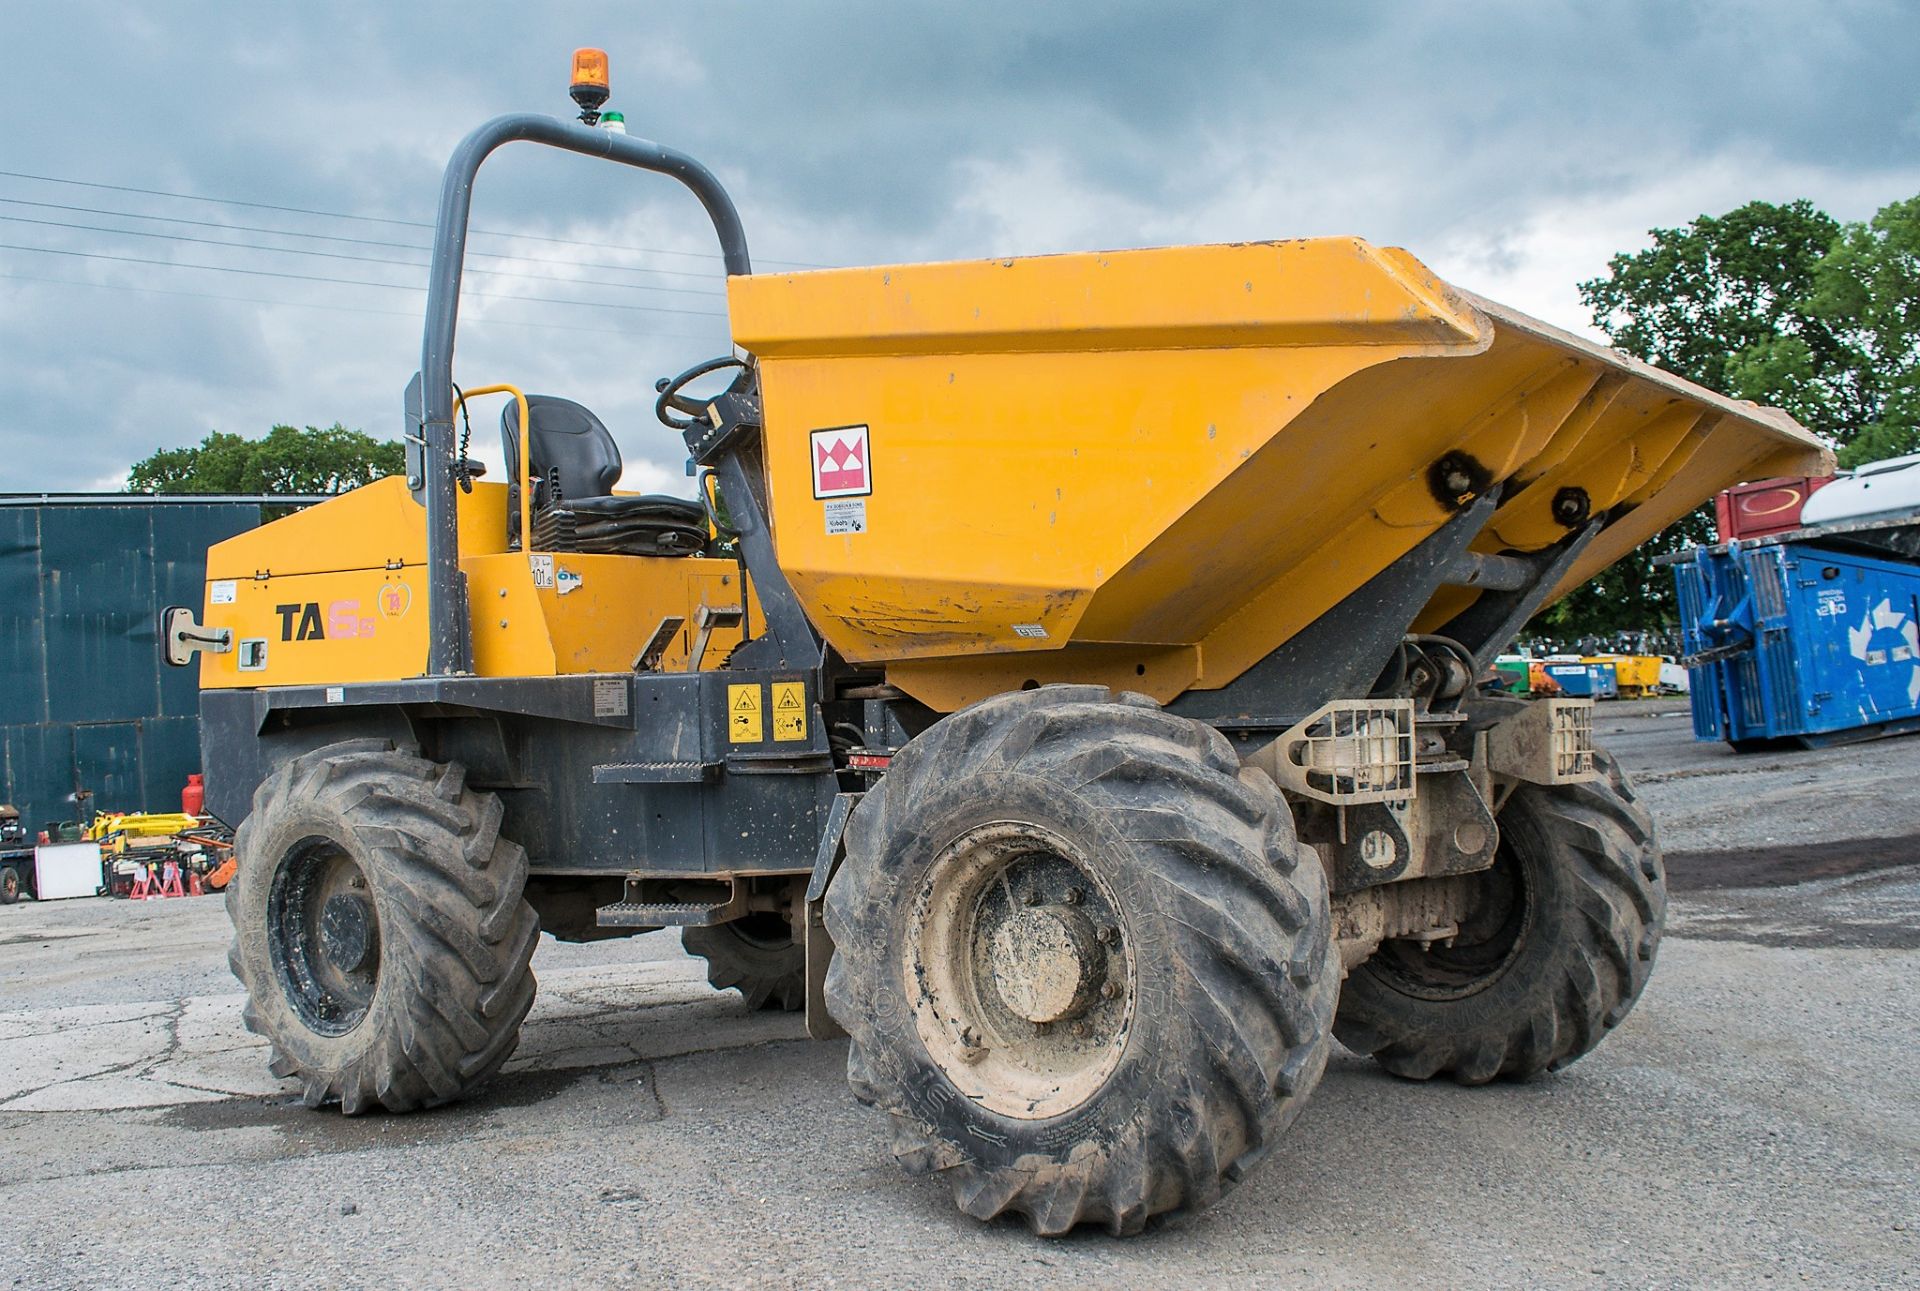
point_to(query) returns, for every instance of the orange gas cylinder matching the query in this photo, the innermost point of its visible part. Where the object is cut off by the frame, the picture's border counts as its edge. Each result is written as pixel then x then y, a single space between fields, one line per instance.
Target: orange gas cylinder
pixel 193 796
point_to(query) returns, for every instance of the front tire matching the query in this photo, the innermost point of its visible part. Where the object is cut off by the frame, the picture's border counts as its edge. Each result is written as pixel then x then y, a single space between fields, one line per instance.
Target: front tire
pixel 1083 960
pixel 9 885
pixel 379 928
pixel 1560 947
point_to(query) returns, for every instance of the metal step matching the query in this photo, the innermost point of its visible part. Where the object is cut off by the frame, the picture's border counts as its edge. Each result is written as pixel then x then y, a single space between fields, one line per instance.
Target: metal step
pixel 673 914
pixel 654 772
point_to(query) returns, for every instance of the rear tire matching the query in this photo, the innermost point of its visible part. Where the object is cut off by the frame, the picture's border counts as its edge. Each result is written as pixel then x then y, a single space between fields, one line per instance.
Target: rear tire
pixel 1084 962
pixel 1561 947
pixel 9 885
pixel 379 928
pixel 756 956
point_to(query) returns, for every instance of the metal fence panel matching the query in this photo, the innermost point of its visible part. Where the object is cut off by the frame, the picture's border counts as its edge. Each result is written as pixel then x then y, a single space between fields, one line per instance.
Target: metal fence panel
pixel 86 701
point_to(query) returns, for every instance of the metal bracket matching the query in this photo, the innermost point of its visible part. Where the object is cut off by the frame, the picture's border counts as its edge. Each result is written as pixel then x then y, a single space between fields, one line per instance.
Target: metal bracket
pixel 648 660
pixel 1343 651
pixel 819 954
pixel 731 415
pixel 1486 626
pixel 706 620
pixel 1550 741
pixel 1346 752
pixel 818 945
pixel 828 856
pixel 182 637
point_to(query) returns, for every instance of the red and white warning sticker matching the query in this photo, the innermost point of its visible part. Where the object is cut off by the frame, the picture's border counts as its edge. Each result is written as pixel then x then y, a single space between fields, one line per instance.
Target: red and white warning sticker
pixel 841 462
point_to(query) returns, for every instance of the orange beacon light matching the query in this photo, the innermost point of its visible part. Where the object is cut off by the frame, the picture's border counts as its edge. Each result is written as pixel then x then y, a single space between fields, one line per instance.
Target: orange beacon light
pixel 590 87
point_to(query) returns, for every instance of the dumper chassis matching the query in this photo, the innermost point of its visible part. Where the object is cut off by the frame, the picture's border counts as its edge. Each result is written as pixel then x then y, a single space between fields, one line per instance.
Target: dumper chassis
pixel 1091 945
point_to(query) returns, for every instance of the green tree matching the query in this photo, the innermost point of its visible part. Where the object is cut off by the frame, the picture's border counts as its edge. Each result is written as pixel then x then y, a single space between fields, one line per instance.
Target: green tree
pixel 1780 304
pixel 285 460
pixel 1704 295
pixel 1867 293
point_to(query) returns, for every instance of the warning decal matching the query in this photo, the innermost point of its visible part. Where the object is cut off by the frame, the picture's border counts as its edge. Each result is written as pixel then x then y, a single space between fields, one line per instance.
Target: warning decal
pixel 744 723
pixel 789 710
pixel 841 465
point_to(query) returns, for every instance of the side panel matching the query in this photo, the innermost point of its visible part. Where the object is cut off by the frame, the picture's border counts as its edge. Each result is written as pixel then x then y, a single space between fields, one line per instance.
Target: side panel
pixel 664 783
pixel 336 592
pixel 587 613
pixel 37 761
pixel 306 629
pixel 1857 625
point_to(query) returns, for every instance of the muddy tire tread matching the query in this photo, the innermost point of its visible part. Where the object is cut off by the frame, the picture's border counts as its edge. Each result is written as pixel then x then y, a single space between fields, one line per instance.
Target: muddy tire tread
pixel 457 935
pixel 767 978
pixel 1616 893
pixel 1257 976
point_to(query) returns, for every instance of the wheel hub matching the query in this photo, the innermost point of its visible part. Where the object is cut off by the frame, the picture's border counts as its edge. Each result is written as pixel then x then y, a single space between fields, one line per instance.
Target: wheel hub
pixel 346 931
pixel 323 935
pixel 1047 964
pixel 1019 973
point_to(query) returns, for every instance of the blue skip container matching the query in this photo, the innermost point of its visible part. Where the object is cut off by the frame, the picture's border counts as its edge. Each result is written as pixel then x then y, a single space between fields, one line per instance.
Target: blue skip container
pixel 1584 680
pixel 1789 640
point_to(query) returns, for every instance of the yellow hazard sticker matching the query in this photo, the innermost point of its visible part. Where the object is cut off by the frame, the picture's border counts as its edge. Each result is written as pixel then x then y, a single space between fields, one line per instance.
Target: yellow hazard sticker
pixel 744 709
pixel 789 710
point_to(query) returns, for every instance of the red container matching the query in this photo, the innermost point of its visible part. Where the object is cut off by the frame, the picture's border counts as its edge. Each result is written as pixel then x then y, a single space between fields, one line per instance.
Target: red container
pixel 1764 506
pixel 193 796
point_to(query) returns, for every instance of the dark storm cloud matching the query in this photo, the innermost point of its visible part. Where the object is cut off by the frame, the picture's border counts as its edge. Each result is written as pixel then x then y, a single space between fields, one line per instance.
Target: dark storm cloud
pixel 1516 142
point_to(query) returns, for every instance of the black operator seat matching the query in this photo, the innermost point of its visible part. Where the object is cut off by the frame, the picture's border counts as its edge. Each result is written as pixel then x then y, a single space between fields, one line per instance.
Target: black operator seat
pixel 574 509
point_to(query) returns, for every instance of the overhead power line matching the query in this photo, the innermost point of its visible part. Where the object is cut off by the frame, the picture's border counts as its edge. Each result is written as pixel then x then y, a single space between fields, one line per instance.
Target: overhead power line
pixel 345 255
pixel 375 219
pixel 340 309
pixel 352 282
pixel 702 275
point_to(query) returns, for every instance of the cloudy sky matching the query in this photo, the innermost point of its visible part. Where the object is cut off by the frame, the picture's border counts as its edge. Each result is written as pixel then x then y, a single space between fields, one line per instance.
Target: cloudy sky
pixel 1511 145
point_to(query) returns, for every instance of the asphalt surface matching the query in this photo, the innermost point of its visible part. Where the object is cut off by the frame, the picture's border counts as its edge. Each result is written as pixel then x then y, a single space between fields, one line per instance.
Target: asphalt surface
pixel 1755 1121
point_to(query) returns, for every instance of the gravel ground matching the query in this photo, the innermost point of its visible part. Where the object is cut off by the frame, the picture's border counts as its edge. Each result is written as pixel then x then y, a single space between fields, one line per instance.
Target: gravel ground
pixel 1754 1121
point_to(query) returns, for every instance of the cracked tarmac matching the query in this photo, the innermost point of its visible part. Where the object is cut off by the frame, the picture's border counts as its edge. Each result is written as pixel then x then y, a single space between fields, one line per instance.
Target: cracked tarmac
pixel 1754 1121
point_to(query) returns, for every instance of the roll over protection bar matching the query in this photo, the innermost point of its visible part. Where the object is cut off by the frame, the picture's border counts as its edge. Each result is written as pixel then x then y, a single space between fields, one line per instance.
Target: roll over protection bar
pixel 449 647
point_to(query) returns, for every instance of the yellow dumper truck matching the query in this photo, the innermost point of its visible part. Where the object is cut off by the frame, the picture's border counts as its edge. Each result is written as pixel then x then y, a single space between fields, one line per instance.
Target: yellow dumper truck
pixel 1066 684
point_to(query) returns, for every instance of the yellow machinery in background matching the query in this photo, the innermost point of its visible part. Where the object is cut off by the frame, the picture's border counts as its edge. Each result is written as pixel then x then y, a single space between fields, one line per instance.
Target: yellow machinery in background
pixel 128 827
pixel 133 843
pixel 1637 674
pixel 1067 684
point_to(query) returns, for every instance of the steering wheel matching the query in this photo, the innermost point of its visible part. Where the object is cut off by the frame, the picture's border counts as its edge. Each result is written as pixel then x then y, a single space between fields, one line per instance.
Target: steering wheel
pixel 680 412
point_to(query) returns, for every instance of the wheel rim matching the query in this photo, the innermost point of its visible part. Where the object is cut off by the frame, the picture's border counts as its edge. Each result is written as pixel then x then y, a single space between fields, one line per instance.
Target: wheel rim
pixel 1488 942
pixel 323 936
pixel 1020 971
